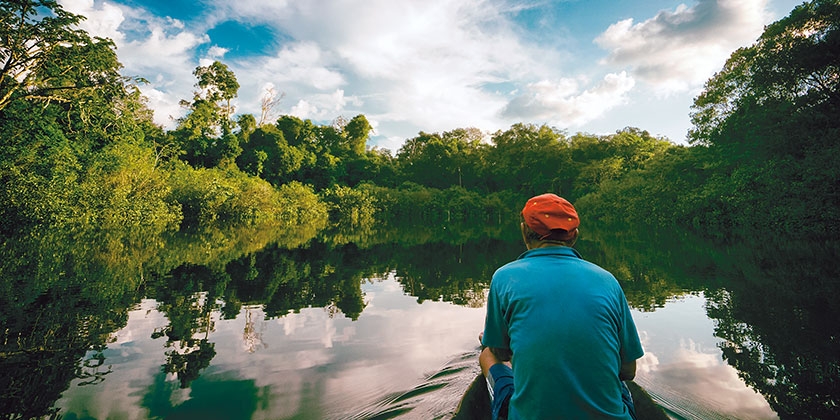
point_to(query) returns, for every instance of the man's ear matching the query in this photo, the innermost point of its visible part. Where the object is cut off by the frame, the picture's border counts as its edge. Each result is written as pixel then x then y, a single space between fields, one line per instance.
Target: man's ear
pixel 574 237
pixel 524 236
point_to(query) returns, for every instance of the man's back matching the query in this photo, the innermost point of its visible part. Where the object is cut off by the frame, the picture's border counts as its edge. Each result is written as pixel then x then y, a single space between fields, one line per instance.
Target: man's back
pixel 569 328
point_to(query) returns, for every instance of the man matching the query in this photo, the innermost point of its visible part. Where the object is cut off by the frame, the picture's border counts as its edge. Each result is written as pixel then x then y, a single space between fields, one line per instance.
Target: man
pixel 562 322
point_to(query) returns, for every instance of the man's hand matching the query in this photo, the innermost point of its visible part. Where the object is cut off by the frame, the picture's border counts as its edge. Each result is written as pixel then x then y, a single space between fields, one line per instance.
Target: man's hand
pixel 504 355
pixel 487 358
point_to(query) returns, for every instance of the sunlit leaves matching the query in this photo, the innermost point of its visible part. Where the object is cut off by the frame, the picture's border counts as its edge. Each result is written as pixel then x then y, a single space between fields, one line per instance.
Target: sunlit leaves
pixel 770 117
pixel 759 100
pixel 33 33
pixel 205 133
pixel 443 160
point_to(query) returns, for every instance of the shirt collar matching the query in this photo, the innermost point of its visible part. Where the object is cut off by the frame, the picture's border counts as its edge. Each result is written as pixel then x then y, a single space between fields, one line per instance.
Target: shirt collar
pixel 562 251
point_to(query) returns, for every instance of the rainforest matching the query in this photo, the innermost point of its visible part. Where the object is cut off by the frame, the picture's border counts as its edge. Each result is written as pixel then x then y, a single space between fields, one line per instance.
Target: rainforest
pixel 101 209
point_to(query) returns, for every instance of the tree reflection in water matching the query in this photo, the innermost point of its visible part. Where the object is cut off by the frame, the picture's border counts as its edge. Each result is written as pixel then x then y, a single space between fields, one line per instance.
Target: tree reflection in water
pixel 773 303
pixel 778 315
pixel 62 302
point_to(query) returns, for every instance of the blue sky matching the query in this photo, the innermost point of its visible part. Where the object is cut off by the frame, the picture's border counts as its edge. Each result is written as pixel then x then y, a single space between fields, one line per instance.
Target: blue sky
pixel 593 66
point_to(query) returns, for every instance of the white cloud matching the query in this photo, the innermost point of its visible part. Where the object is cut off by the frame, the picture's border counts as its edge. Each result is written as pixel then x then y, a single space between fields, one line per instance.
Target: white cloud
pixel 166 47
pixel 679 50
pixel 322 106
pixel 418 64
pixel 302 63
pixel 563 103
pixel 302 72
pixel 410 66
pixel 166 106
pixel 162 51
pixel 698 374
pixel 103 21
pixel 430 65
pixel 166 60
pixel 216 52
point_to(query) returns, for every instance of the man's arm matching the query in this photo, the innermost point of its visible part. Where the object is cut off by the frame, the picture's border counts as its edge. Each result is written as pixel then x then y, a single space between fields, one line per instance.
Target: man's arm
pixel 628 371
pixel 503 355
pixel 488 358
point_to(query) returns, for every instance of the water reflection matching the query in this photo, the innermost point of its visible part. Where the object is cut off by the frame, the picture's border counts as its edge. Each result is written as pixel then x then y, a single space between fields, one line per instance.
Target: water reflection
pixel 314 325
pixel 771 301
pixel 778 317
pixel 683 368
pixel 310 365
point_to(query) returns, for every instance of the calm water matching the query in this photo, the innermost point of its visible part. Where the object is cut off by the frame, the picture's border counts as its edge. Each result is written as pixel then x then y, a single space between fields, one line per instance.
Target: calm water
pixel 387 328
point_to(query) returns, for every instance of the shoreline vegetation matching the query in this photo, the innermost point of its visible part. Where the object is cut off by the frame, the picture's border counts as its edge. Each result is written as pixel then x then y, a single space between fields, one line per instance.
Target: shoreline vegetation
pixel 80 151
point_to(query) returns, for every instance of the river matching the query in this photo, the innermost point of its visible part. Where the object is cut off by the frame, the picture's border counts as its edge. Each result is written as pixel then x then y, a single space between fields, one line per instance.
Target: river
pixel 386 325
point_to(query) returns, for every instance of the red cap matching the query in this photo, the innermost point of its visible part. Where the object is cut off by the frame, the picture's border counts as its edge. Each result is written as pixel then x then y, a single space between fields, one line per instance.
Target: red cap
pixel 547 212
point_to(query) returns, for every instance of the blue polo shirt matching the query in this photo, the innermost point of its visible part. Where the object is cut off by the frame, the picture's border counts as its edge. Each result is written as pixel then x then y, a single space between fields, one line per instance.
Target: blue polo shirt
pixel 568 325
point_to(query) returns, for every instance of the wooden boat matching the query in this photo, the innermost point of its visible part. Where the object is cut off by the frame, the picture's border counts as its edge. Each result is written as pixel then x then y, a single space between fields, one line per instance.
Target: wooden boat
pixel 475 404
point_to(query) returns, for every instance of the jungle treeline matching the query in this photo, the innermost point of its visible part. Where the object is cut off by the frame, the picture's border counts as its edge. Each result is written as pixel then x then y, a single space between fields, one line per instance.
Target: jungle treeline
pixel 80 150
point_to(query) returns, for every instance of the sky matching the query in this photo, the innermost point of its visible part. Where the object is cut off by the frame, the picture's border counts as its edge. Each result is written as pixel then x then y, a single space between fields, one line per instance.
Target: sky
pixel 591 66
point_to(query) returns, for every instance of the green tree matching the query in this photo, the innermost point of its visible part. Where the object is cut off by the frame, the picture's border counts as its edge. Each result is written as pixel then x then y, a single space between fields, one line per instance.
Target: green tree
pixel 350 208
pixel 770 117
pixel 218 84
pixel 47 60
pixel 319 166
pixel 34 33
pixel 204 134
pixel 376 166
pixel 123 188
pixel 530 160
pixel 247 124
pixel 333 154
pixel 452 158
pixel 357 132
pixel 268 154
pixel 38 168
pixel 605 158
pixel 776 96
pixel 62 102
pixel 297 132
pixel 667 191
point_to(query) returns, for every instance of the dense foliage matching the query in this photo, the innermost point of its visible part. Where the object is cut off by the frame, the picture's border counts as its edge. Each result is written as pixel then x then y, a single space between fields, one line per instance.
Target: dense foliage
pixel 82 163
pixel 79 149
pixel 770 119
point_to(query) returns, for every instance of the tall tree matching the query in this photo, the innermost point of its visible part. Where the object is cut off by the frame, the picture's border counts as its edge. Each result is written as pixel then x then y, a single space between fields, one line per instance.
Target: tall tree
pixel 356 132
pixel 218 84
pixel 205 133
pixel 443 160
pixel 45 58
pixel 62 101
pixel 33 34
pixel 599 159
pixel 270 156
pixel 530 159
pixel 771 117
pixel 770 98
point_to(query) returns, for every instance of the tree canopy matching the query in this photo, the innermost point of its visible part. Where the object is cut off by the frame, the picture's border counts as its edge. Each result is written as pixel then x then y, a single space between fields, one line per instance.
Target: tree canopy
pixel 770 118
pixel 764 125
